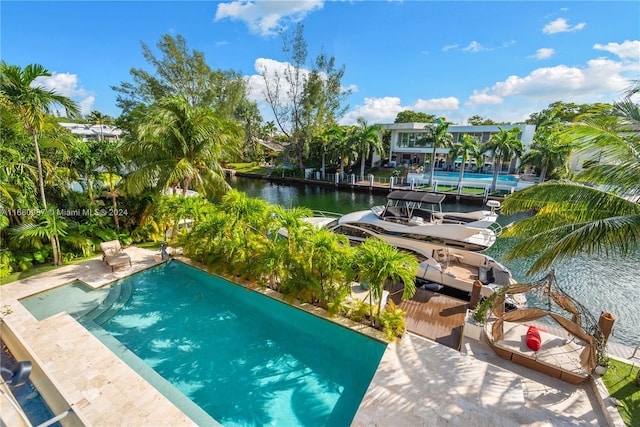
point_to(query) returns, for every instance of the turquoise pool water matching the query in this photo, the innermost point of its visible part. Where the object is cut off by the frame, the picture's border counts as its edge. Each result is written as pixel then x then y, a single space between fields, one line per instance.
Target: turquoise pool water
pixel 244 358
pixel 488 178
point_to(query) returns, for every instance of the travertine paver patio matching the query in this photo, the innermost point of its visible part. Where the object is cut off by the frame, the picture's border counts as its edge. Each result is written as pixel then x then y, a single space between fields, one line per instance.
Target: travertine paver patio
pixel 421 383
pixel 418 382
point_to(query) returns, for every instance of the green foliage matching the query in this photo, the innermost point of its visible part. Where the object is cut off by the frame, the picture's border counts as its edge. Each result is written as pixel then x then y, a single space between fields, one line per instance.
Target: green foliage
pixel 482 310
pixel 358 310
pixel 179 145
pixel 572 218
pixel 177 71
pixel 6 261
pixel 408 116
pixel 392 321
pixel 313 102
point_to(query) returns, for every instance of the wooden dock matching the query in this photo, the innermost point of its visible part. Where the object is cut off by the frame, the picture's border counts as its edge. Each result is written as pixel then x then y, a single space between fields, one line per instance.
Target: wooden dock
pixel 434 316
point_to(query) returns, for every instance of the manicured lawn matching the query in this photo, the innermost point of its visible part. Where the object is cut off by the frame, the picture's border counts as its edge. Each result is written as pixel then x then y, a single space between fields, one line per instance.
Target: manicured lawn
pixel 249 168
pixel 620 381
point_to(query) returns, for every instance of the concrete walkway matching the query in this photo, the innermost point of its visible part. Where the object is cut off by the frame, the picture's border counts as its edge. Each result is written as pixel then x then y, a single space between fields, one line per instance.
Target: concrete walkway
pixel 421 383
pixel 418 382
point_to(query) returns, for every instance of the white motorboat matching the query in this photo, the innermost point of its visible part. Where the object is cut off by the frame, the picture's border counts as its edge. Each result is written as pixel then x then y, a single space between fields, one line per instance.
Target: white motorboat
pixel 418 215
pixel 446 266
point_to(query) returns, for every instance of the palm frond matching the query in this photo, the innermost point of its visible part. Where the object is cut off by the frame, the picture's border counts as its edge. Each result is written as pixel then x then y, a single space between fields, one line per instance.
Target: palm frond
pixel 614 235
pixel 592 202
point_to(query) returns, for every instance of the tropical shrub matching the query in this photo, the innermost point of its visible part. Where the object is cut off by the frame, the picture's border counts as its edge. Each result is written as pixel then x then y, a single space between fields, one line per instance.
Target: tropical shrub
pixel 392 321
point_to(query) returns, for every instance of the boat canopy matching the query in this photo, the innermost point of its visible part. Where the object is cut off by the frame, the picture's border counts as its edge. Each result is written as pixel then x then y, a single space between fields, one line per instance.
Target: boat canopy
pixel 415 196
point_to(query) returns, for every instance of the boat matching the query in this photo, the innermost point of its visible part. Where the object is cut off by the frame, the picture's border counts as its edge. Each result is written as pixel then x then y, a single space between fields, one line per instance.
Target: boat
pixel 443 266
pixel 418 215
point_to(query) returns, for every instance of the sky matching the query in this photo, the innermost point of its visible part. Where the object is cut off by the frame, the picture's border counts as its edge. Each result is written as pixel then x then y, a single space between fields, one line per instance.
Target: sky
pixel 500 60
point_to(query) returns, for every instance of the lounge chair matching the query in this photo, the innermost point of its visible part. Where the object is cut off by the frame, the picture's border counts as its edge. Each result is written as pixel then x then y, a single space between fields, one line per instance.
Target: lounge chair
pixel 113 254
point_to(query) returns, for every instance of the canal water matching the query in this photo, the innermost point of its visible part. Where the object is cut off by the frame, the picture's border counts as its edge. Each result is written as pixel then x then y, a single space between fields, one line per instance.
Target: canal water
pixel 607 284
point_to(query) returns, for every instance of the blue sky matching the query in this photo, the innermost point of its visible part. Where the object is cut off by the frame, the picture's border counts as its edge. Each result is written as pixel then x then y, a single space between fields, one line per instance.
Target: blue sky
pixel 501 60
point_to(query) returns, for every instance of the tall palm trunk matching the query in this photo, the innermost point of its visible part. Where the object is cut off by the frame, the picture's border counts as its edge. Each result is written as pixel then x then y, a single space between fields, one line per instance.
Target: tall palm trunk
pixel 40 175
pixel 497 165
pixel 464 161
pixel 55 244
pixel 362 167
pixel 543 171
pixel 433 164
pixel 114 203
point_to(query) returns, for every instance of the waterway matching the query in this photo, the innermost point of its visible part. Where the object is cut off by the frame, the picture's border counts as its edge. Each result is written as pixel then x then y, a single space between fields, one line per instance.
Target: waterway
pixel 607 284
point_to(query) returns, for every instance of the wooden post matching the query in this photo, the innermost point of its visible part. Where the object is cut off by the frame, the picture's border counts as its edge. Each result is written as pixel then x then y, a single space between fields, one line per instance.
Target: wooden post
pixel 605 324
pixel 475 294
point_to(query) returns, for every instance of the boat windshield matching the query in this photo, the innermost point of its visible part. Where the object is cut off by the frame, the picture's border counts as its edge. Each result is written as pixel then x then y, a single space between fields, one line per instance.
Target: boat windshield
pixel 413 205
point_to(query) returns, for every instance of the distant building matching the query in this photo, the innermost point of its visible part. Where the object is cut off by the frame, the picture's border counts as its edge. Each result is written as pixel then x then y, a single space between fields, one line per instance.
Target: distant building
pixel 411 146
pixel 90 132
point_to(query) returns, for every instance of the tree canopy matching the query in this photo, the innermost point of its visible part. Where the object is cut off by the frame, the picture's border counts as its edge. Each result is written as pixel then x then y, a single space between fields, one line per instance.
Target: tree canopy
pixel 408 116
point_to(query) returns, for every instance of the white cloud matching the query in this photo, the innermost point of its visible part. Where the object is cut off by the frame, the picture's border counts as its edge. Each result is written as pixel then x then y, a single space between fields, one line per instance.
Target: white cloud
pixel 561 25
pixel 436 104
pixel 86 104
pixel 544 53
pixel 352 87
pixel 375 110
pixel 66 84
pixel 267 18
pixel 629 49
pixel 570 84
pixel 385 109
pixel 474 47
pixel 483 97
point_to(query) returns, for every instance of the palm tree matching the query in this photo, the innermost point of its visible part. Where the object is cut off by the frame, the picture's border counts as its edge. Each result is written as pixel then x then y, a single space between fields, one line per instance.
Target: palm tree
pixel 366 138
pixel 340 144
pixel 440 137
pixel 291 220
pixel 548 152
pixel 110 157
pixel 32 103
pixel 326 254
pixel 375 261
pixel 505 145
pixel 468 147
pixel 49 225
pixel 97 118
pixel 549 149
pixel 182 145
pixel 323 140
pixel 573 218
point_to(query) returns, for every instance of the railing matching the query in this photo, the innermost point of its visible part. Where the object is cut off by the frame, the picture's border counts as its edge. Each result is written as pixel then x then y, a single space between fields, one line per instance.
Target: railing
pixel 326 214
pixel 411 183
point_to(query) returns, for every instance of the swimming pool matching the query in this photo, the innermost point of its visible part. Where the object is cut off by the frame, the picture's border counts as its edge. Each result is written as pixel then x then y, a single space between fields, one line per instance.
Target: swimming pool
pixel 244 358
pixel 467 179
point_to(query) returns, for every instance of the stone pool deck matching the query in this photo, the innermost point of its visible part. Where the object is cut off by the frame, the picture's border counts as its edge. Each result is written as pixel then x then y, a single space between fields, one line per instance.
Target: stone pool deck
pixel 418 382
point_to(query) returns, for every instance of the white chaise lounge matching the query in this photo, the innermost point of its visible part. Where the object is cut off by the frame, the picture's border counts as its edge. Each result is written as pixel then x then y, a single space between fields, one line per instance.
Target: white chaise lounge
pixel 113 254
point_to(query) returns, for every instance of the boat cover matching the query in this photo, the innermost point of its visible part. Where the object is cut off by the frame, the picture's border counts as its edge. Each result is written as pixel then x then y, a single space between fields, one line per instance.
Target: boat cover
pixel 415 196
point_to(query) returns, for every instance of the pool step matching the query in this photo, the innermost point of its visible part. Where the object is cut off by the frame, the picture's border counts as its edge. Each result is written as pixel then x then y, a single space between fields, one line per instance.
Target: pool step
pixel 114 294
pixel 124 294
pixel 119 294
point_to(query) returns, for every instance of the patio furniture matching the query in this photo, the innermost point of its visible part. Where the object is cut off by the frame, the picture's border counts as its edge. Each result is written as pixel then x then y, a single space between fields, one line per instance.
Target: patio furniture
pixel 114 255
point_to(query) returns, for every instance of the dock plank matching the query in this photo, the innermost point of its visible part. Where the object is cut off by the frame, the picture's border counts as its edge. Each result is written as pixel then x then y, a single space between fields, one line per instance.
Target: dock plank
pixel 434 316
